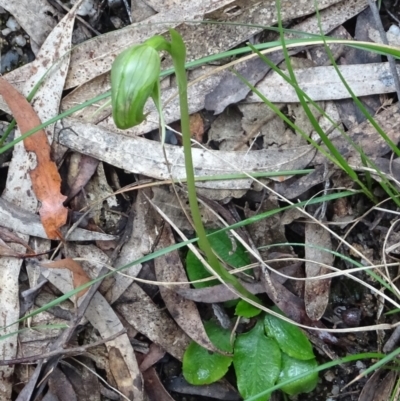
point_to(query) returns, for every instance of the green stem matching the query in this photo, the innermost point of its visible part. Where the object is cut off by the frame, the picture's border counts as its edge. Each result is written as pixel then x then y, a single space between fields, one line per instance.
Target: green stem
pixel 178 54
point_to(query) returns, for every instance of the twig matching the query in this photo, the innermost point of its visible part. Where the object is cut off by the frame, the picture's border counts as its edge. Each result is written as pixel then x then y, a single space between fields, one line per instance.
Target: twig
pixel 378 22
pixel 60 351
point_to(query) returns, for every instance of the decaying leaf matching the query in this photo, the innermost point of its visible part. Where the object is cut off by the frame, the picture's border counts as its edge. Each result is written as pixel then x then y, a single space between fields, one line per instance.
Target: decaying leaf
pixel 121 372
pixel 318 247
pixel 46 180
pixel 169 268
pixel 6 250
pixel 154 387
pixel 197 127
pixel 105 320
pixel 79 276
pixel 147 157
pixel 60 387
pixel 153 322
pixel 18 189
pixel 24 222
pixel 142 236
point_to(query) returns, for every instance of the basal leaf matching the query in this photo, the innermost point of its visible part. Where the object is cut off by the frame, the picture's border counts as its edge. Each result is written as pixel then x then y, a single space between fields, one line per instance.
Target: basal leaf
pixel 201 366
pixel 196 271
pixel 245 309
pixel 234 254
pixel 257 362
pixel 289 337
pixel 229 250
pixel 291 368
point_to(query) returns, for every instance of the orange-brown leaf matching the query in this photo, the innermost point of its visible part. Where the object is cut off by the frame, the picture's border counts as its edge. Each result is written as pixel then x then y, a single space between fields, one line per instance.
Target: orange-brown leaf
pixel 46 180
pixel 197 127
pixel 79 275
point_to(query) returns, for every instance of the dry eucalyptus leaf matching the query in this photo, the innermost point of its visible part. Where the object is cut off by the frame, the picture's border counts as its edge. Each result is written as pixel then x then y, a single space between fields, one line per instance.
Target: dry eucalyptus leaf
pixel 104 319
pixel 169 268
pixel 23 222
pixel 153 322
pixel 18 191
pixel 141 241
pixel 146 157
pixel 60 387
pixel 323 83
pixel 316 292
pixel 231 90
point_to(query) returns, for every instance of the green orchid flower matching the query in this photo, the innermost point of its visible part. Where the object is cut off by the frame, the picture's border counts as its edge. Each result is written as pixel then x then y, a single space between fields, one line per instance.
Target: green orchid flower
pixel 134 78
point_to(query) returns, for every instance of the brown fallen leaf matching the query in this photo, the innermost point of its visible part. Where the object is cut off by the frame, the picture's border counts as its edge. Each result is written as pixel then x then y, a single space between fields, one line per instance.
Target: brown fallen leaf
pixel 10 236
pixel 6 250
pixel 156 324
pixel 379 386
pixel 86 168
pixel 46 180
pixel 154 387
pixel 120 372
pixel 197 127
pixel 60 387
pixel 78 274
pixel 316 292
pixel 153 356
pixel 169 268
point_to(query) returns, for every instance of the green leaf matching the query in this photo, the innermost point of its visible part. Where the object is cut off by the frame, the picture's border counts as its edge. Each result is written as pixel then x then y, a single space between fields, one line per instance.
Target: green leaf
pixel 289 337
pixel 245 309
pixel 229 250
pixel 201 366
pixel 196 271
pixel 257 362
pixel 292 367
pixel 222 245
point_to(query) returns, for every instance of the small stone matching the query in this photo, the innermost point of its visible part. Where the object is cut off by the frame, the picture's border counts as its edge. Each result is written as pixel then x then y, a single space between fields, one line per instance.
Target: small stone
pixel 20 41
pixel 12 24
pixel 6 31
pixel 9 61
pixel 116 21
pixel 351 317
pixel 360 365
pixel 335 390
pixel 395 30
pixel 87 8
pixel 329 376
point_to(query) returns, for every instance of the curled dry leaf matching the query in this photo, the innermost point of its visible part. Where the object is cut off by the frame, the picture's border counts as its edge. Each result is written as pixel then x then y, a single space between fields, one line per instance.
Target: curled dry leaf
pixel 46 180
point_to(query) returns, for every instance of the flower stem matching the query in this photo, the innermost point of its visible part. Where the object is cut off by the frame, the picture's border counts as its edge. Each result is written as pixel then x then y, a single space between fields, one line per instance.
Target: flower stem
pixel 178 53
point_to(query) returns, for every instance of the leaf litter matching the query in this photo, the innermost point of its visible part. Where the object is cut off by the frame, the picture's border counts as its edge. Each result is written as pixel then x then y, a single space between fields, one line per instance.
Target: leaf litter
pixel 243 137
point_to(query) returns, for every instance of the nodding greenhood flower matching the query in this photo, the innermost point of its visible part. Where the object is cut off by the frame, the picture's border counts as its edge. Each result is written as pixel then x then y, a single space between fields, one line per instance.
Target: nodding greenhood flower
pixel 134 78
